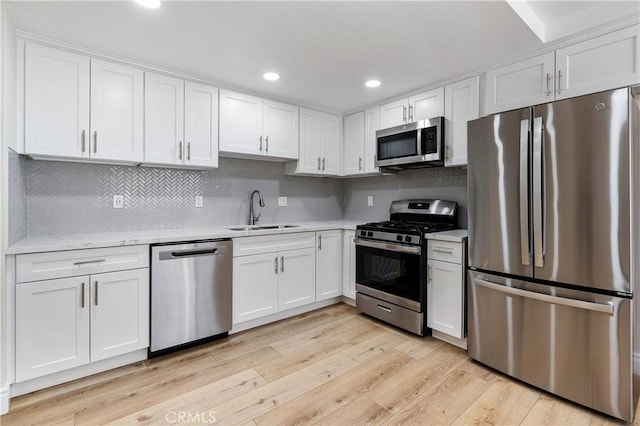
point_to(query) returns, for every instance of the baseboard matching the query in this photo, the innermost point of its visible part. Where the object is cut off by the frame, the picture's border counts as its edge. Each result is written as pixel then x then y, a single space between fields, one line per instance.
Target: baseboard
pixel 461 343
pixel 246 325
pixel 4 399
pixel 348 301
pixel 76 373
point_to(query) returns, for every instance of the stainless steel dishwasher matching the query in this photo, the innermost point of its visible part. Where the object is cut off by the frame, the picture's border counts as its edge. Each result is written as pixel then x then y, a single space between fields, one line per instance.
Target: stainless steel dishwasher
pixel 190 293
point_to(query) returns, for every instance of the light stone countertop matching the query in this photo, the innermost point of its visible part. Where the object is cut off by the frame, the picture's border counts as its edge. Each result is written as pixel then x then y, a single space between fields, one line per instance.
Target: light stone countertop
pixel 44 243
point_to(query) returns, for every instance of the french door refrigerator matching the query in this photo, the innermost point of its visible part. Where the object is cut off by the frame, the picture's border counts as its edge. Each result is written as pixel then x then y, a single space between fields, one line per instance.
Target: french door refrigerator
pixel 554 246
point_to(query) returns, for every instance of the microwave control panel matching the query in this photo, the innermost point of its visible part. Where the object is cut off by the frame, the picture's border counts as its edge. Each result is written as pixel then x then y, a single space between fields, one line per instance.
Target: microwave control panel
pixel 430 140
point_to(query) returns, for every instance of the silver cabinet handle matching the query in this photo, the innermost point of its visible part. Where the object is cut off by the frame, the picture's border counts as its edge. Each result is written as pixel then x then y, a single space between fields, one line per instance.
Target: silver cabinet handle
pixel 318 163
pixel 189 151
pixel 82 296
pixel 324 160
pixel 384 308
pixel 445 251
pixel 95 141
pixel 404 114
pixel 275 268
pixel 282 264
pixel 446 154
pixel 410 113
pixel 84 262
pixel 319 242
pixel 538 178
pixel 359 163
pixel 556 300
pixel 83 141
pixel 96 293
pixel 548 89
pixel 429 274
pixel 525 251
pixel 260 143
pixel 180 150
pixel 266 144
pixel 559 81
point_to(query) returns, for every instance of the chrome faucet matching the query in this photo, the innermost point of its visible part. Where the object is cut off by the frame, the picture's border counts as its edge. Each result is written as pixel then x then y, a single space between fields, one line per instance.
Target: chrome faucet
pixel 253 219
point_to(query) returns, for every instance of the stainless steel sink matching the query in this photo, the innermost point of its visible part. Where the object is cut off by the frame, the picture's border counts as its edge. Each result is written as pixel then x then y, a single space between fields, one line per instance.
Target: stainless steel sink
pixel 261 227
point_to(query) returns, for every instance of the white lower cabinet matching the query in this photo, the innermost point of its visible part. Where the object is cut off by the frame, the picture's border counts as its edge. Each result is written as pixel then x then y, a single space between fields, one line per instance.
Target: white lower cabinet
pixel 328 264
pixel 272 274
pixel 349 264
pixel 68 322
pixel 445 287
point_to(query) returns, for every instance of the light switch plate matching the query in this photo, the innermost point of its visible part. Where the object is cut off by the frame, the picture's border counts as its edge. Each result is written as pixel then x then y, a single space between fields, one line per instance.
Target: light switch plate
pixel 282 201
pixel 370 200
pixel 118 201
pixel 198 200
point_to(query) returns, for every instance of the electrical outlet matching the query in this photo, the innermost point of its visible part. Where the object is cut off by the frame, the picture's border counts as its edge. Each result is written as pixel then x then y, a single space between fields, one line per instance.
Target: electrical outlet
pixel 118 201
pixel 198 200
pixel 282 201
pixel 370 200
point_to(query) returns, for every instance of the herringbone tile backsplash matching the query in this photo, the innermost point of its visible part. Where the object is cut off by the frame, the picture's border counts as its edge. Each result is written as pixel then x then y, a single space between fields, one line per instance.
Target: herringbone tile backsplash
pixel 66 197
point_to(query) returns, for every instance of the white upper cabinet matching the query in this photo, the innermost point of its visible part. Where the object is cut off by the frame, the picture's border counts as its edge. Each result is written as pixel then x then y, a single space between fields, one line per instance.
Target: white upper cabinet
pixel 56 102
pixel 164 119
pixel 181 122
pixel 462 103
pixel 371 126
pixel 426 105
pixel 116 112
pixel 200 125
pixel 251 126
pixel 320 145
pixel 602 63
pixel 354 144
pixel 77 107
pixel 417 107
pixel 524 83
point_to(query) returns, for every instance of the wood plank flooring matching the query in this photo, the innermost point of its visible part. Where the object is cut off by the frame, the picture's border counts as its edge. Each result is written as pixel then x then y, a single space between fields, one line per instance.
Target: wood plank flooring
pixel 328 367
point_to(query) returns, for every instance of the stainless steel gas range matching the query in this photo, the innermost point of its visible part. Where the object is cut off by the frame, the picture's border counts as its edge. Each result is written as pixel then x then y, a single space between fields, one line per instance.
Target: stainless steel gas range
pixel 391 262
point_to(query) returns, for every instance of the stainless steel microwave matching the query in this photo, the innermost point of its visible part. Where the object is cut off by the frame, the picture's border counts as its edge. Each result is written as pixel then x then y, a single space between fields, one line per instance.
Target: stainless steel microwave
pixel 411 145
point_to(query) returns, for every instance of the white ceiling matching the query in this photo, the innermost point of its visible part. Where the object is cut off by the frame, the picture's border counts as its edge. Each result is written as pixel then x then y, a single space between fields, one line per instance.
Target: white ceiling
pixel 324 51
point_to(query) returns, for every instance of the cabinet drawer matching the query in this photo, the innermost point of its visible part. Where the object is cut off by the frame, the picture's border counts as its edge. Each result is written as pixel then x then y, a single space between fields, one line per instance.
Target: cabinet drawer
pixel 445 250
pixel 245 246
pixel 59 264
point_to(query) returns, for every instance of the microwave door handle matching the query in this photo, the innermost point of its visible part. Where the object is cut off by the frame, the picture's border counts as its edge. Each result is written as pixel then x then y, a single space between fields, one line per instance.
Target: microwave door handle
pixel 525 247
pixel 419 141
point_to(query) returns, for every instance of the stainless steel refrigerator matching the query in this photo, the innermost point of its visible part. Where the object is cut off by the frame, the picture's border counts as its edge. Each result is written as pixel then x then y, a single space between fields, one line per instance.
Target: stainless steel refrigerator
pixel 554 246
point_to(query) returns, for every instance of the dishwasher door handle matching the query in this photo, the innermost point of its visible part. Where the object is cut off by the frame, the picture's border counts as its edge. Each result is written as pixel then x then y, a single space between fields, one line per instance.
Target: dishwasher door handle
pixel 177 254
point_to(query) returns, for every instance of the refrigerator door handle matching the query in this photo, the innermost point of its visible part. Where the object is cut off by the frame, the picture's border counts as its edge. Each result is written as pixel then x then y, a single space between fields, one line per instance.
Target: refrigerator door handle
pixel 572 303
pixel 525 249
pixel 538 178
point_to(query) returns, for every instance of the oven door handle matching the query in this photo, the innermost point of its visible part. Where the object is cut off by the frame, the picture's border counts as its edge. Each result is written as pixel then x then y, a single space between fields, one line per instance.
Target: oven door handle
pixel 389 246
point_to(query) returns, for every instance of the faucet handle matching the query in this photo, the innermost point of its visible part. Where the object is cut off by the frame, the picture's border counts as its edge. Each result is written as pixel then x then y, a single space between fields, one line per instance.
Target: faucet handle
pixel 256 218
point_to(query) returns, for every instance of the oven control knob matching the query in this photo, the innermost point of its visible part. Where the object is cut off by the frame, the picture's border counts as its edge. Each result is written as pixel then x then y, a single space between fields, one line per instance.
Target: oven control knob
pixel 369 234
pixel 407 239
pixel 399 238
pixel 363 233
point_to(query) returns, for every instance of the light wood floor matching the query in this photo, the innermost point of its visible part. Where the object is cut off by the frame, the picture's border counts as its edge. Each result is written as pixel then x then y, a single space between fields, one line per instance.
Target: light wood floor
pixel 328 367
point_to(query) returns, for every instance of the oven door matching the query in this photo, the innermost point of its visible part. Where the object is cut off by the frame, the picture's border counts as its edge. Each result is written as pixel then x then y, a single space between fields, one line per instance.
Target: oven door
pixel 390 272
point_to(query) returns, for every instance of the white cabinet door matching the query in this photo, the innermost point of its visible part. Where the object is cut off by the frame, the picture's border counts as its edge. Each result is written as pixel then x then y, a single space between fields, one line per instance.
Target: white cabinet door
pixel 601 63
pixel 349 264
pixel 354 144
pixel 255 286
pixel 201 125
pixel 426 105
pixel 371 125
pixel 297 278
pixel 119 313
pixel 462 103
pixel 331 141
pixel 116 112
pixel 328 264
pixel 56 102
pixel 280 129
pixel 394 113
pixel 240 123
pixel 164 119
pixel 52 326
pixel 310 159
pixel 445 303
pixel 524 83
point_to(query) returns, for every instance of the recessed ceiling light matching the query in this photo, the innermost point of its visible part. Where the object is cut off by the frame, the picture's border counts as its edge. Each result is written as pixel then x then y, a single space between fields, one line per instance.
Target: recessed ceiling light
pixel 149 4
pixel 372 83
pixel 271 76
